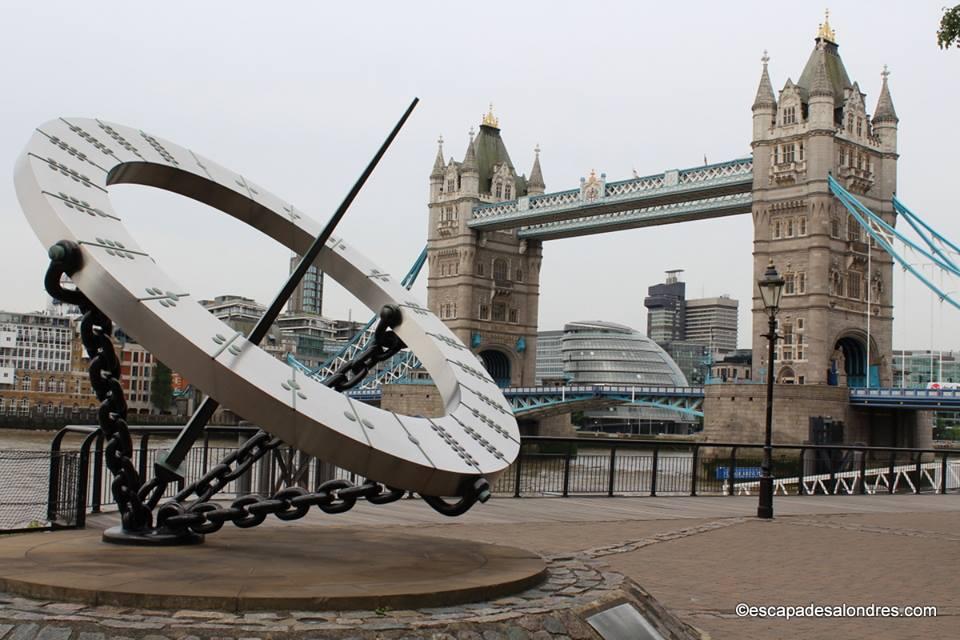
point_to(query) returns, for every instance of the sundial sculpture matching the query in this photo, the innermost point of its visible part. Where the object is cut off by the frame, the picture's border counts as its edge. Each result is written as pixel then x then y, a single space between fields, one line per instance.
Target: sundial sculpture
pixel 62 181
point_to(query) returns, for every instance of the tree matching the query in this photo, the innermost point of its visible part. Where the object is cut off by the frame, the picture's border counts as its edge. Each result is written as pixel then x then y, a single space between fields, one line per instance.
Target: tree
pixel 949 33
pixel 161 387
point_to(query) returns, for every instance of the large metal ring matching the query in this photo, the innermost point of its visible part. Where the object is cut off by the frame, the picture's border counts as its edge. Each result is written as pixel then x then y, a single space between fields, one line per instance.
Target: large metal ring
pixel 62 181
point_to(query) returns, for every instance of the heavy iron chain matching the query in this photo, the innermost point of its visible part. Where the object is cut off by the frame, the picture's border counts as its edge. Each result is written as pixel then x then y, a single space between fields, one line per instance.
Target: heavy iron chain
pixel 95 331
pixel 136 501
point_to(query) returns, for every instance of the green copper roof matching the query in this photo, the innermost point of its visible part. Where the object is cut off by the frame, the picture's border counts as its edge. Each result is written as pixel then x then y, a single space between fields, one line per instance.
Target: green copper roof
pixel 490 150
pixel 836 73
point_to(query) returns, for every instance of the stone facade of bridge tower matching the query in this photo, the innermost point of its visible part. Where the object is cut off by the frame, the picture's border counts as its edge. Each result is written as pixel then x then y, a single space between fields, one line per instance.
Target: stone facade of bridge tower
pixel 817 127
pixel 484 285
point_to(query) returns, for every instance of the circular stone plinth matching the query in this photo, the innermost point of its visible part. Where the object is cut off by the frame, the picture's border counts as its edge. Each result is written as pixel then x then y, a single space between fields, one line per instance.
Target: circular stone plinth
pixel 272 568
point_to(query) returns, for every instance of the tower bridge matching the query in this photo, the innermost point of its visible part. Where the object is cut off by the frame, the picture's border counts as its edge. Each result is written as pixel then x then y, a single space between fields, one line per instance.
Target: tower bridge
pixel 487 224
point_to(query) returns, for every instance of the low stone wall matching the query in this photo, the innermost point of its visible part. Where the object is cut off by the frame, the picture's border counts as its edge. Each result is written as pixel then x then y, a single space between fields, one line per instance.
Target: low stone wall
pixel 737 412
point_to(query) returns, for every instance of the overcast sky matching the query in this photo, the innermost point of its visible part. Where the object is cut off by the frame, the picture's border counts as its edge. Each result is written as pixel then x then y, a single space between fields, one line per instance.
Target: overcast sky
pixel 298 95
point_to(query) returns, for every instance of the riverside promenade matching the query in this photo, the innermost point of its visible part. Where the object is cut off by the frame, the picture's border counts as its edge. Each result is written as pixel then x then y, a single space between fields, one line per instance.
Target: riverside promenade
pixel 698 557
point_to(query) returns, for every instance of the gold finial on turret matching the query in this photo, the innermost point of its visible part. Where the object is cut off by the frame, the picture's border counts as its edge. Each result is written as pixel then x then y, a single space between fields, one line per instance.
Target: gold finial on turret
pixel 490 120
pixel 825 32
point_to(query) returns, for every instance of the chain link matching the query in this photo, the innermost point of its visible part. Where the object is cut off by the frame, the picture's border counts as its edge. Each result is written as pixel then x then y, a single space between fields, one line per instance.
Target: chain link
pixel 104 371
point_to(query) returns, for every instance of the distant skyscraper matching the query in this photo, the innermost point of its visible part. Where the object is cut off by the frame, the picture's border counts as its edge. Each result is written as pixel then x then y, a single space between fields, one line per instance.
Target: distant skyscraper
pixel 692 331
pixel 308 296
pixel 712 322
pixel 665 309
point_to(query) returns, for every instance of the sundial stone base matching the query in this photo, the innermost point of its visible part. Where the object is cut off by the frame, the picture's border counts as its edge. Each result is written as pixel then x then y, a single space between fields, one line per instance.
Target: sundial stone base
pixel 283 567
pixel 563 597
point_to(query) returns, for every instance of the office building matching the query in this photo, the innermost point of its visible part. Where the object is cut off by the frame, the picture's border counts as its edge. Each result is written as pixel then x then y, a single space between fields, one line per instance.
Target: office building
pixel 308 296
pixel 712 322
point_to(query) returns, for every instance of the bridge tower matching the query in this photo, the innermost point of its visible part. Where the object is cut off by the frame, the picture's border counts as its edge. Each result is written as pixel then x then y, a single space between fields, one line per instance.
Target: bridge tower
pixel 838 287
pixel 484 285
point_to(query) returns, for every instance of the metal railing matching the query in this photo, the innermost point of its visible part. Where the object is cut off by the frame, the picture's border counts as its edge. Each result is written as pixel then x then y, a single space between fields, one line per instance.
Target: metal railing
pixel 78 482
pixel 90 492
pixel 618 467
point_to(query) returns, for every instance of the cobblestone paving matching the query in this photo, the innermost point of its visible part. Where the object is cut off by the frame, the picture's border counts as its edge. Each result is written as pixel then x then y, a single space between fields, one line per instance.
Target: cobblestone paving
pixel 542 613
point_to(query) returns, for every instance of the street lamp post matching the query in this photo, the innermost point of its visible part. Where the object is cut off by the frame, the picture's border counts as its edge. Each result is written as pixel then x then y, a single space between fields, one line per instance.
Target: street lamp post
pixel 771 288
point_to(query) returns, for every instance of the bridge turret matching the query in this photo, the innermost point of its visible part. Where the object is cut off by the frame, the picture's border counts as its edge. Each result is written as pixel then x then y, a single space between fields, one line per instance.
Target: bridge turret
pixel 535 185
pixel 821 103
pixel 764 105
pixel 469 173
pixel 885 117
pixel 439 169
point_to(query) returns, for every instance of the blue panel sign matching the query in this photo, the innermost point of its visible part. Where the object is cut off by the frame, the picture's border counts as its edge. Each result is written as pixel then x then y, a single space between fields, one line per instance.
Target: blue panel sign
pixel 739 473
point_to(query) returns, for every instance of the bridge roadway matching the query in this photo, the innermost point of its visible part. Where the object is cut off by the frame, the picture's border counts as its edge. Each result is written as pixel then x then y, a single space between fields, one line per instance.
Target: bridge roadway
pixel 530 402
pixel 678 195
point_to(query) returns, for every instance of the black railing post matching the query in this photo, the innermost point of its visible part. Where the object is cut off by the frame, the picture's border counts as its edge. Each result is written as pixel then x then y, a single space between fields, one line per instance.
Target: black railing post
pixel 613 467
pixel 893 457
pixel 694 469
pixel 943 473
pixel 142 463
pixel 566 470
pixel 801 490
pixel 919 472
pixel 82 476
pixel 863 473
pixel 731 469
pixel 519 468
pixel 831 456
pixel 56 460
pixel 653 471
pixel 97 492
pixel 206 452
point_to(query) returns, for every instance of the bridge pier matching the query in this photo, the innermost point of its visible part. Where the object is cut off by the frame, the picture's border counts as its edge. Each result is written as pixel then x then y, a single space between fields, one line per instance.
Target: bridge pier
pixel 558 426
pixel 736 413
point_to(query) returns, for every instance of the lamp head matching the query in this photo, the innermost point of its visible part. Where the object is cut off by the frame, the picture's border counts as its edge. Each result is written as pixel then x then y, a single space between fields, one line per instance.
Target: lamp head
pixel 771 288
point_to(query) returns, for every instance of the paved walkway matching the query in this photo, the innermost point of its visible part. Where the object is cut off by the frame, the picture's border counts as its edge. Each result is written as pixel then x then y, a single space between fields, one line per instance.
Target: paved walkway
pixel 700 557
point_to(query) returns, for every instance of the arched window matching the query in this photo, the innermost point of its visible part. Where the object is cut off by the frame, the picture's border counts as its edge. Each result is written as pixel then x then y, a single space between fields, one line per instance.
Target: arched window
pixel 507 191
pixel 519 277
pixel 498 189
pixel 500 269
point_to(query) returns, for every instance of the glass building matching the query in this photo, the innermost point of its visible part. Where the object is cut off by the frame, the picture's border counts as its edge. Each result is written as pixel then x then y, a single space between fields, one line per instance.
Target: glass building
pixel 914 368
pixel 605 353
pixel 550 358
